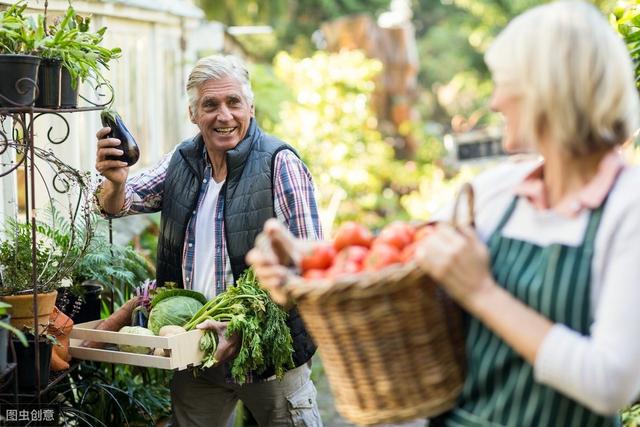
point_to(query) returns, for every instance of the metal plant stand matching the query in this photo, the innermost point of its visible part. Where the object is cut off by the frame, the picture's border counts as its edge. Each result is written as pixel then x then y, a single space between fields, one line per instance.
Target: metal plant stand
pixel 17 142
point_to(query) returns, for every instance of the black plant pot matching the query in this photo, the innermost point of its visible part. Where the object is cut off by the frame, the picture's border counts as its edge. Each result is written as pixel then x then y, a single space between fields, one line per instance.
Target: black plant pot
pixel 19 81
pixel 81 308
pixel 68 95
pixel 4 344
pixel 54 83
pixel 26 357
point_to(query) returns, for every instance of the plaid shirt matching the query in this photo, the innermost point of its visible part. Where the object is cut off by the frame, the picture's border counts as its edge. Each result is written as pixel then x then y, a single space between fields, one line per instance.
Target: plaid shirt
pixel 294 203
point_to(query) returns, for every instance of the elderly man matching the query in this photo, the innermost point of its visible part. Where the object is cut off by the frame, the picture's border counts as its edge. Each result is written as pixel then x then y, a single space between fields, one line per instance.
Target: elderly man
pixel 215 191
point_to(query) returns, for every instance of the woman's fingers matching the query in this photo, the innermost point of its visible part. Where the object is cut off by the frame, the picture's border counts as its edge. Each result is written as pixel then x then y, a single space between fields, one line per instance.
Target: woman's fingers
pixel 438 253
pixel 283 243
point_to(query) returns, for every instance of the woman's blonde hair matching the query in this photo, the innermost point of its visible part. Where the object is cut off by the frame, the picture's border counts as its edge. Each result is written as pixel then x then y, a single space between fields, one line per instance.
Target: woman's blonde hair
pixel 573 74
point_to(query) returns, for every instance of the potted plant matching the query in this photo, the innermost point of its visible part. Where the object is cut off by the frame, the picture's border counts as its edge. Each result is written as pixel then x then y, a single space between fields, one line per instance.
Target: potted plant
pixel 5 330
pixel 71 54
pixel 53 264
pixel 96 268
pixel 25 358
pixel 19 40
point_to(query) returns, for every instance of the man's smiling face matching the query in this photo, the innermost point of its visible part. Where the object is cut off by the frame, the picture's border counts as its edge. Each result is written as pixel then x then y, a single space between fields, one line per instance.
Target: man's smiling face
pixel 223 114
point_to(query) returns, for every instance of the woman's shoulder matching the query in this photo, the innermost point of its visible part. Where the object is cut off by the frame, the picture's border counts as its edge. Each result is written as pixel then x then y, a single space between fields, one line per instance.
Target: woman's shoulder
pixel 625 194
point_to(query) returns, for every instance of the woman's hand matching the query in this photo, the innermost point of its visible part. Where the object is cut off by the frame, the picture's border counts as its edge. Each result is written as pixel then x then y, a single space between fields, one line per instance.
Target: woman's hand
pixel 275 251
pixel 458 261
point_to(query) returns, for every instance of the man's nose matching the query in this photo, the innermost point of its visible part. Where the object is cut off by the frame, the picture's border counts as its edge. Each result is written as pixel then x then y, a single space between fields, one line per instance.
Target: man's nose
pixel 224 113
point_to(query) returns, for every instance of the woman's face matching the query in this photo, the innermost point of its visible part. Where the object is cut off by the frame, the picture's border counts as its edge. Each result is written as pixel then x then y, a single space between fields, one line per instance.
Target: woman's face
pixel 506 102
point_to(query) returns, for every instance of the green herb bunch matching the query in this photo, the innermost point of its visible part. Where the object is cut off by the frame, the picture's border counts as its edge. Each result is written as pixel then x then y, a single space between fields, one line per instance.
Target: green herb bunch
pixel 265 338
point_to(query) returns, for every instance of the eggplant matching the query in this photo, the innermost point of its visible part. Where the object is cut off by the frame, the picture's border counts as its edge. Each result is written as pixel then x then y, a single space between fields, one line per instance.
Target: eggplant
pixel 131 152
pixel 140 317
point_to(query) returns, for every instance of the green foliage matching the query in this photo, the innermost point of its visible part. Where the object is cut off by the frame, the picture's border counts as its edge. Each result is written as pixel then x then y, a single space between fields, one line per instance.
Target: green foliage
pixel 105 394
pixel 294 21
pixel 53 260
pixel 149 237
pixel 631 416
pixel 70 41
pixel 71 251
pixel 452 37
pixel 117 267
pixel 18 34
pixel 328 119
pixel 626 19
pixel 265 338
pixel 270 92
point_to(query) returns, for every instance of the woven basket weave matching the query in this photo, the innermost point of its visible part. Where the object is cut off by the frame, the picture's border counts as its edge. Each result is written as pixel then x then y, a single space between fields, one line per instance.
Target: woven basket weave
pixel 391 342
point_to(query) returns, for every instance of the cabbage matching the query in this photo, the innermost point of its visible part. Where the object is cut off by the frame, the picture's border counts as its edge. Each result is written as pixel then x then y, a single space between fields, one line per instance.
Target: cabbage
pixel 136 330
pixel 176 310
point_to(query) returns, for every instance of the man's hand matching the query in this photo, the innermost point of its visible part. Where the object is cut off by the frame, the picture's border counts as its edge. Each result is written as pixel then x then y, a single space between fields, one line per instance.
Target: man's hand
pixel 115 171
pixel 228 347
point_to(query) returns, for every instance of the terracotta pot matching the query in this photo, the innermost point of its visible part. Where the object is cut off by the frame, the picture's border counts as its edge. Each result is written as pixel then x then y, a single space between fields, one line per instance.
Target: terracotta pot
pixel 22 309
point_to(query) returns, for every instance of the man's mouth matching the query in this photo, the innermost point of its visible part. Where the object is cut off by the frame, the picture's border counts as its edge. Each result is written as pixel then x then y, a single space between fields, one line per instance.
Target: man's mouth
pixel 224 131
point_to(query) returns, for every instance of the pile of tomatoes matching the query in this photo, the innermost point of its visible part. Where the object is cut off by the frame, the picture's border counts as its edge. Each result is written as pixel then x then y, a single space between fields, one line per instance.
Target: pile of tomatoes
pixel 355 249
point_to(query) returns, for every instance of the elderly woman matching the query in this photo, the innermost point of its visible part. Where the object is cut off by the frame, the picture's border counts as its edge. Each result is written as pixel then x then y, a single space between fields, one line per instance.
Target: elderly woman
pixel 550 277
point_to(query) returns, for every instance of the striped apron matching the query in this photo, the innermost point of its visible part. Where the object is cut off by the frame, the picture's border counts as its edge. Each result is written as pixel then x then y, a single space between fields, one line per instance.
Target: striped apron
pixel 555 281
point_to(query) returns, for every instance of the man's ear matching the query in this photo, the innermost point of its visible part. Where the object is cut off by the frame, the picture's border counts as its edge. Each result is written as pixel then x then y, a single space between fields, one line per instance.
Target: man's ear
pixel 192 116
pixel 253 110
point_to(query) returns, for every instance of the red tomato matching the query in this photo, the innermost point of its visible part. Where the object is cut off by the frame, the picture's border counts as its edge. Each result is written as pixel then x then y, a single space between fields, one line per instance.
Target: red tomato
pixel 352 234
pixel 381 255
pixel 348 261
pixel 320 258
pixel 398 234
pixel 346 269
pixel 314 274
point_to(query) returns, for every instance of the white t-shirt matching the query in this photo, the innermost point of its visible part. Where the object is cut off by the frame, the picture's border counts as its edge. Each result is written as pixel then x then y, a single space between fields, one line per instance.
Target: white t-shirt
pixel 601 370
pixel 204 251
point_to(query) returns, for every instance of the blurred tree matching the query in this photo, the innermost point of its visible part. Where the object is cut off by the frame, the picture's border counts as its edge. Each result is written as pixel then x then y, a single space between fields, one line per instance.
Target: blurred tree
pixel 626 18
pixel 294 21
pixel 452 38
pixel 328 118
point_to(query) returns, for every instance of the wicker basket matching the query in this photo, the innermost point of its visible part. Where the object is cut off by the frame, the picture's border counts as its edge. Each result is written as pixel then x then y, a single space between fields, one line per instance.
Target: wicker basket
pixel 391 342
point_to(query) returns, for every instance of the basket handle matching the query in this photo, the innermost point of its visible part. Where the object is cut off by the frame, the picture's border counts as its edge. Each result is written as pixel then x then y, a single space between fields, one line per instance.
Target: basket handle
pixel 466 191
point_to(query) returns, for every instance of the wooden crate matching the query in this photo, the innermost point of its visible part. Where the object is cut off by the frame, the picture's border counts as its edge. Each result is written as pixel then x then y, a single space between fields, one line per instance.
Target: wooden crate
pixel 183 348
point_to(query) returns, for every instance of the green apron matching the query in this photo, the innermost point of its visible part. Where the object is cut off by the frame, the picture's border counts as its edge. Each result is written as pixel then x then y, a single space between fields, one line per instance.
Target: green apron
pixel 500 389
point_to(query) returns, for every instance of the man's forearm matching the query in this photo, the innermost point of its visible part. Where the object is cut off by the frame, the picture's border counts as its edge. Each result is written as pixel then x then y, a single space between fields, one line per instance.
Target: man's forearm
pixel 111 197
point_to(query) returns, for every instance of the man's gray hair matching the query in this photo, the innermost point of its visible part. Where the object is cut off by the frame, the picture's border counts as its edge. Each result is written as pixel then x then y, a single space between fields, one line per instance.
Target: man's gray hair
pixel 217 67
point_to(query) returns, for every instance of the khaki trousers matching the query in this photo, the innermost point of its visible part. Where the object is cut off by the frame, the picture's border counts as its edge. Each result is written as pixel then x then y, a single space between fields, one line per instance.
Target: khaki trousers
pixel 208 400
